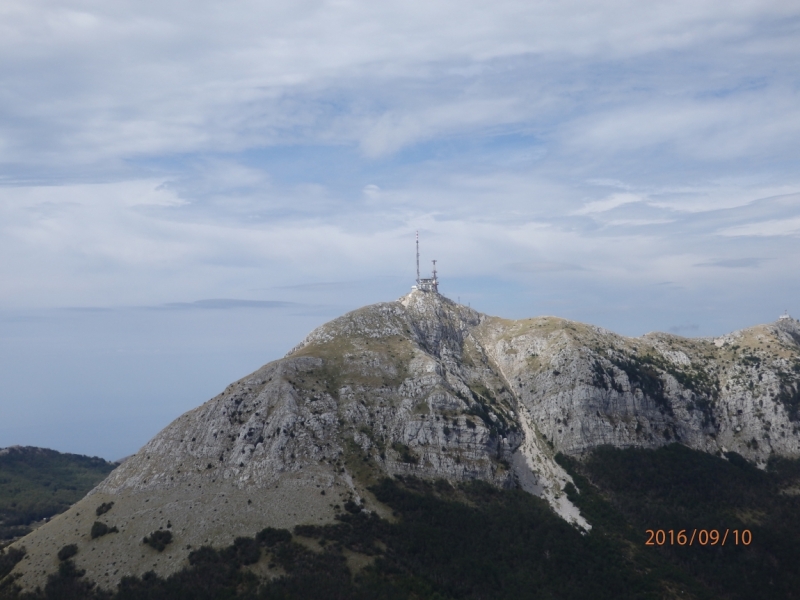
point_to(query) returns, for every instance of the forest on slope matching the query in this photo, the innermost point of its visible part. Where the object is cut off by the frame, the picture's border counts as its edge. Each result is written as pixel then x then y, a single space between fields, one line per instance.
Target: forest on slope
pixel 474 541
pixel 37 483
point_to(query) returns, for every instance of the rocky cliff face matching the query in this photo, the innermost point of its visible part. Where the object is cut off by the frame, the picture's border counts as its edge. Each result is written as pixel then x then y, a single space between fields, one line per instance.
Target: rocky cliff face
pixel 427 387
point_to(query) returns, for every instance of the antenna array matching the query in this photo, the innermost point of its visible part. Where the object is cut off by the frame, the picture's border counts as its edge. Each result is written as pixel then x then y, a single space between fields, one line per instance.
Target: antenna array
pixel 426 284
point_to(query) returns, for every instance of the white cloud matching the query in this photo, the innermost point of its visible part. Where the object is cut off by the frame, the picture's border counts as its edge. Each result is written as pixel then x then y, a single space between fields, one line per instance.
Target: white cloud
pixel 372 191
pixel 390 132
pixel 540 266
pixel 611 202
pixel 500 122
pixel 745 124
pixel 95 82
pixel 765 228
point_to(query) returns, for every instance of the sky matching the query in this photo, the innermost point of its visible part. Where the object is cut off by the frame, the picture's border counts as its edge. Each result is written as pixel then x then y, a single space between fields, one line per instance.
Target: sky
pixel 188 188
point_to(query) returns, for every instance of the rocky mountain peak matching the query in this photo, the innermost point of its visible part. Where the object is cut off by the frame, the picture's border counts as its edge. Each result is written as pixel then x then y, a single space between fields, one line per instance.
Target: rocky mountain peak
pixel 424 386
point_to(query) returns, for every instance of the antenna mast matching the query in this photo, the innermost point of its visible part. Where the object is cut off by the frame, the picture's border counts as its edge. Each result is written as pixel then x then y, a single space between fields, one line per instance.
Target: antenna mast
pixel 418 258
pixel 426 284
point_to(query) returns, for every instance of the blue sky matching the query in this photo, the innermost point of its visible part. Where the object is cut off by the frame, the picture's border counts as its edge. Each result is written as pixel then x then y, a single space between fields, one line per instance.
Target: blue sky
pixel 188 188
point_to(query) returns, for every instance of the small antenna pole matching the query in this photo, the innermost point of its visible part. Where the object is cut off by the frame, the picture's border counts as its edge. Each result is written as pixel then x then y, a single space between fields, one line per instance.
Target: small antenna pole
pixel 435 282
pixel 417 258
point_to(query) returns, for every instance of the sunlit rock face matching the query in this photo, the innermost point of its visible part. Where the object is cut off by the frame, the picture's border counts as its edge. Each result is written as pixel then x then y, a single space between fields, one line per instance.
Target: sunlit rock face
pixel 426 387
pixel 585 387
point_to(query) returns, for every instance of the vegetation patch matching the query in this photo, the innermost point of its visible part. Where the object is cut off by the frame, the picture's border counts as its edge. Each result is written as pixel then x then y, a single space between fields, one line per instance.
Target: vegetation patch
pixel 270 536
pixel 604 378
pixel 100 529
pixel 473 541
pixel 67 552
pixel 245 550
pixel 36 483
pixel 676 488
pixel 789 394
pixel 497 426
pixel 9 557
pixel 646 373
pixel 158 539
pixel 646 377
pixel 358 462
pixel 392 354
pixel 523 551
pixel 406 454
pixel 104 508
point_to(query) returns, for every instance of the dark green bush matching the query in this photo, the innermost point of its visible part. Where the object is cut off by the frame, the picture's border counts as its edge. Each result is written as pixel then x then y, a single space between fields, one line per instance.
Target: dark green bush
pixel 100 529
pixel 158 539
pixel 67 552
pixel 104 508
pixel 8 558
pixel 68 584
pixel 737 459
pixel 246 551
pixel 269 536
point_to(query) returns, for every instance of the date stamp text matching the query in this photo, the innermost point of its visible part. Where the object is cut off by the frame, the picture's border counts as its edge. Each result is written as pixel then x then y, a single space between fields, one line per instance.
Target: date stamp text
pixel 699 537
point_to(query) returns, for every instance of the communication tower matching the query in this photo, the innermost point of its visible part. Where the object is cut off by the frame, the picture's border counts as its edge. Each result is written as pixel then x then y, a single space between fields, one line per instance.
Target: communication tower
pixel 426 284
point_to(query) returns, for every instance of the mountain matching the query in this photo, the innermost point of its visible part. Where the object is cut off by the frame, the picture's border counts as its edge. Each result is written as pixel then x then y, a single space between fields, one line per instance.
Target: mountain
pixel 428 388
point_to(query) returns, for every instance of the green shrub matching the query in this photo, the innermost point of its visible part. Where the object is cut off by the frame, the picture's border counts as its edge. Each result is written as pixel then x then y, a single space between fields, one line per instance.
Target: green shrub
pixel 100 529
pixel 406 455
pixel 158 539
pixel 9 558
pixel 737 459
pixel 104 508
pixel 246 550
pixel 67 552
pixel 269 536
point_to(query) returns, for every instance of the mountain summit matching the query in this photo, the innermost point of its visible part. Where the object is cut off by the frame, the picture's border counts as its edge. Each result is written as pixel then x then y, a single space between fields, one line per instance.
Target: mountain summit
pixel 426 387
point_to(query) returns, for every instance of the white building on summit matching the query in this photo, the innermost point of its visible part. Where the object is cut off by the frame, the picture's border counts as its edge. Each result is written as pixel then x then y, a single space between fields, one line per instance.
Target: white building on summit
pixel 426 284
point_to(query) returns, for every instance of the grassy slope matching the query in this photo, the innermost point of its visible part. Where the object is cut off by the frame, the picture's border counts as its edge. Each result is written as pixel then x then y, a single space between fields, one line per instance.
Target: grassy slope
pixel 36 483
pixel 476 542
